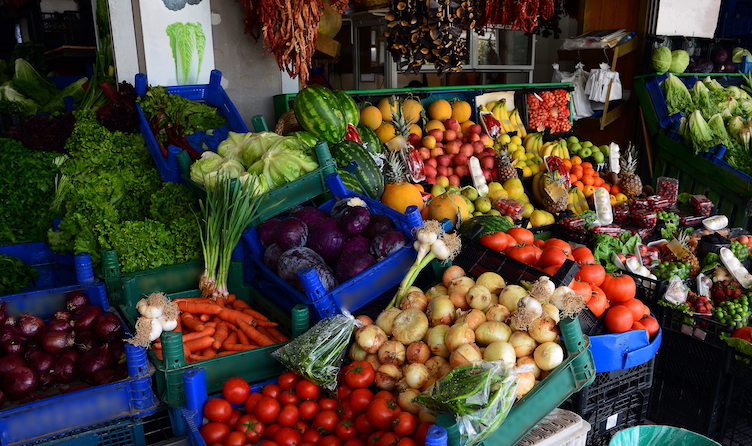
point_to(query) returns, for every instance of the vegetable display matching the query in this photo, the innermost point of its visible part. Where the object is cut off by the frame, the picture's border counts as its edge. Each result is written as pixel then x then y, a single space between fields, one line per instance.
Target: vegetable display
pixel 14 274
pixel 38 94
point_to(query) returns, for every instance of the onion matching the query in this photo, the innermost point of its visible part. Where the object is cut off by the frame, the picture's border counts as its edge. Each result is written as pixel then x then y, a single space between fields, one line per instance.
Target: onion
pixel 551 311
pixel 405 400
pixel 500 351
pixel 440 311
pixel 458 296
pixel 40 361
pixel 59 325
pixel 20 382
pixel 436 340
pixel 458 334
pixel 451 273
pixel 373 359
pixel 86 340
pixel 528 310
pixel 63 370
pixel 461 281
pixel 410 326
pixel 10 362
pixel 46 380
pixel 434 365
pixel 415 299
pixel 465 354
pixel 387 376
pixel 523 343
pixel 498 312
pixel 544 329
pixel 528 362
pixel 29 325
pixel 10 331
pixel 94 360
pixel 14 345
pixel 416 375
pixel 55 342
pixel 83 317
pixel 365 319
pixel 479 297
pixel 417 352
pixel 492 331
pixel 436 290
pixel 61 316
pixel 426 417
pixel 392 352
pixel 548 355
pixel 491 280
pixel 71 354
pixel 76 299
pixel 385 319
pixel 525 383
pixel 370 338
pixel 510 296
pixel 357 353
pixel 107 327
pixel 105 376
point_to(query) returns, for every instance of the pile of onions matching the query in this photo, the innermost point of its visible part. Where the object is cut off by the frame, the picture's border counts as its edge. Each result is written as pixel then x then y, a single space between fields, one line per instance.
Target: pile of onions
pixel 79 343
pixel 460 321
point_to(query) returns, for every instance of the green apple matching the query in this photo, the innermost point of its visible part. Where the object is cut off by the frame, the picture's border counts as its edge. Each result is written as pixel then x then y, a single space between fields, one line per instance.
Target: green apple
pixel 470 193
pixel 586 144
pixel 605 149
pixel 573 140
pixel 595 148
pixel 483 205
pixel 537 160
pixel 575 147
pixel 437 190
pixel 598 157
pixel 494 212
pixel 585 152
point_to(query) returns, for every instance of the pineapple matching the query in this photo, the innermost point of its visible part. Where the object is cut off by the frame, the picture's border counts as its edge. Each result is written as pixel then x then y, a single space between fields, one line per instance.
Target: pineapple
pixel 630 182
pixel 395 170
pixel 506 169
pixel 555 197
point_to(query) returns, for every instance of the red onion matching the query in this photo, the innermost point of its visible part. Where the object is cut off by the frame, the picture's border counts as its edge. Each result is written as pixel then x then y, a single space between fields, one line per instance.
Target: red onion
pixel 57 341
pixel 40 361
pixel 2 398
pixel 64 370
pixel 62 316
pixel 46 380
pixel 76 299
pixel 9 331
pixel 59 325
pixel 71 354
pixel 30 325
pixel 20 382
pixel 105 376
pixel 14 346
pixel 117 349
pixel 84 316
pixel 86 340
pixel 10 362
pixel 94 360
pixel 3 317
pixel 108 327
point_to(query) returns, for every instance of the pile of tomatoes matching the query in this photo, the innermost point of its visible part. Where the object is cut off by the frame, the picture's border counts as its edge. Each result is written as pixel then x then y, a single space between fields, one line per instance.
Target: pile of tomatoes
pixel 297 412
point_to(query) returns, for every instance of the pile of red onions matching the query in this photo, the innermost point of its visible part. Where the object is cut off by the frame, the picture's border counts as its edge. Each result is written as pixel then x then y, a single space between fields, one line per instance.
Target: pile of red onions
pixel 79 343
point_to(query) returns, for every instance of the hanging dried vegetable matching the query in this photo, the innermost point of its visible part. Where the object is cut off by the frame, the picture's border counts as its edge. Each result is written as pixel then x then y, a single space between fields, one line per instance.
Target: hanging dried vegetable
pixel 523 15
pixel 550 27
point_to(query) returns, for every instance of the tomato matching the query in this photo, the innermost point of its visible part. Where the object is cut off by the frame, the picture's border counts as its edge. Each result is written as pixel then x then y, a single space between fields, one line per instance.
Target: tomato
pixel 271 429
pixel 271 390
pixel 267 409
pixel 521 235
pixel 354 442
pixel 234 438
pixel 564 245
pixel 405 424
pixel 288 380
pixel 250 402
pixel 594 274
pixel 527 254
pixel 552 256
pixel 383 394
pixel 308 409
pixel 268 443
pixel 406 441
pixel 598 302
pixel 636 325
pixel 288 416
pixel 301 426
pixel 214 432
pixel 635 306
pixel 287 436
pixel 330 440
pixel 382 413
pixel 388 439
pixel 346 411
pixel 328 404
pixel 497 241
pixel 312 435
pixel 236 390
pixel 619 287
pixel 217 409
pixel 583 255
pixel 288 396
pixel 420 433
pixel 359 399
pixel 325 419
pixel 251 427
pixel 619 319
pixel 743 333
pixel 581 288
pixel 374 438
pixel 307 390
pixel 363 425
pixel 234 417
pixel 345 430
pixel 343 392
pixel 359 374
pixel 652 326
pixel 539 243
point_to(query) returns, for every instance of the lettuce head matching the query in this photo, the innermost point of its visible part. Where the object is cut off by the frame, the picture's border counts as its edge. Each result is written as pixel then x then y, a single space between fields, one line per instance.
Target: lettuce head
pixel 256 146
pixel 286 161
pixel 207 163
pixel 232 146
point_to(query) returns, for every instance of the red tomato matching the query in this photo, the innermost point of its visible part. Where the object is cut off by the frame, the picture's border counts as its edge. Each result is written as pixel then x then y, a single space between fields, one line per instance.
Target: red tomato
pixel 234 438
pixel 345 430
pixel 325 419
pixel 268 443
pixel 307 390
pixel 374 438
pixel 271 390
pixel 363 425
pixel 651 325
pixel 328 404
pixel 346 411
pixel 552 256
pixel 405 423
pixel 388 439
pixel 636 325
pixel 582 288
pixel 382 413
pixel 420 433
pixel 635 306
pixel 330 440
pixel 288 416
pixel 343 392
pixel 214 432
pixel 359 374
pixel 583 255
pixel 267 409
pixel 271 429
pixel 598 302
pixel 234 417
pixel 383 394
pixel 619 287
pixel 498 241
pixel 527 254
pixel 359 399
pixel 301 426
pixel 288 380
pixel 287 436
pixel 217 409
pixel 308 409
pixel 406 441
pixel 355 442
pixel 250 402
pixel 236 390
pixel 743 333
pixel 521 235
pixel 312 435
pixel 251 427
pixel 307 443
pixel 619 319
pixel 553 241
pixel 594 274
pixel 288 396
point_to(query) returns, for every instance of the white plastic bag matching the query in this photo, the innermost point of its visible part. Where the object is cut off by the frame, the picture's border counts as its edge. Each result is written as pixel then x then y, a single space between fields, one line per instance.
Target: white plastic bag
pixel 597 87
pixel 559 75
pixel 580 100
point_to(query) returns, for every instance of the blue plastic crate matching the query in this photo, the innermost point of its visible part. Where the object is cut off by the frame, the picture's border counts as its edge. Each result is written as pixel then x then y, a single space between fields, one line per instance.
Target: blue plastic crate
pixel 735 27
pixel 617 351
pixel 125 432
pixel 745 66
pixel 53 269
pixel 59 414
pixel 354 293
pixel 212 94
pixel 715 156
pixel 658 99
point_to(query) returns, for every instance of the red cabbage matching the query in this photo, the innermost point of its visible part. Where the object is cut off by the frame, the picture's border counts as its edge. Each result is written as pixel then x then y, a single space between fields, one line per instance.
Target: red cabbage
pixel 327 242
pixel 329 222
pixel 296 259
pixel 291 233
pixel 719 55
pixel 340 206
pixel 326 276
pixel 352 263
pixel 387 243
pixel 271 256
pixel 354 220
pixel 357 243
pixel 310 215
pixel 379 223
pixel 267 230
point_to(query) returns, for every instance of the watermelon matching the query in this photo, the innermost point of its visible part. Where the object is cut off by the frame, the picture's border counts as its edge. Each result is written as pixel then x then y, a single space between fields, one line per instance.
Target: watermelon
pixel 371 142
pixel 350 181
pixel 349 107
pixel 305 137
pixel 368 174
pixel 490 224
pixel 319 112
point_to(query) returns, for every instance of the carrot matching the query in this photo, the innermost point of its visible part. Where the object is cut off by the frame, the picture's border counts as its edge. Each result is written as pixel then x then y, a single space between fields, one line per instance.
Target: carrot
pixel 232 338
pixel 222 332
pixel 211 324
pixel 208 331
pixel 209 352
pixel 230 298
pixel 220 301
pixel 238 347
pixel 203 317
pixel 199 344
pixel 255 314
pixel 239 304
pixel 231 315
pixel 194 357
pixel 226 352
pixel 189 321
pixel 243 338
pixel 265 332
pixel 156 345
pixel 199 307
pixel 262 323
pixel 277 334
pixel 159 355
pixel 254 334
pixel 192 299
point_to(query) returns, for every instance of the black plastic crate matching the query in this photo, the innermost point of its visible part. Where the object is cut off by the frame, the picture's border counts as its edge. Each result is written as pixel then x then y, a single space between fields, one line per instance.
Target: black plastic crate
pixel 691 378
pixel 702 328
pixel 737 422
pixel 591 324
pixel 614 401
pixel 579 236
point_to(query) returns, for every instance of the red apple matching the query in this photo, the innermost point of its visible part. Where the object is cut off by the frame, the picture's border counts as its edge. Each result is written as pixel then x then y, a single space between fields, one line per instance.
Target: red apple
pixel 461 137
pixel 431 180
pixel 460 159
pixel 453 147
pixel 476 129
pixel 495 174
pixel 450 135
pixel 438 134
pixel 442 171
pixel 454 180
pixel 436 152
pixel 489 151
pixel 487 141
pixel 428 141
pixel 445 160
pixel 425 153
pixel 467 149
pixel 452 123
pixel 414 140
pixel 429 170
pixel 488 162
pixel 450 170
pixel 472 137
pixel 431 162
pixel 478 147
pixel 487 175
pixel 462 171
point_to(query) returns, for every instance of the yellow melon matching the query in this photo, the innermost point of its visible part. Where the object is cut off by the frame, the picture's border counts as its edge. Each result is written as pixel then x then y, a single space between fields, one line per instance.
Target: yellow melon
pixel 399 196
pixel 385 132
pixel 461 111
pixel 370 115
pixel 434 124
pixel 387 108
pixel 450 206
pixel 411 109
pixel 440 109
pixel 415 128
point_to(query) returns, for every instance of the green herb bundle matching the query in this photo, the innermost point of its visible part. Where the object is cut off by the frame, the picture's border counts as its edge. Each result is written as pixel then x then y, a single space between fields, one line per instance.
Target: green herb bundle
pixel 14 274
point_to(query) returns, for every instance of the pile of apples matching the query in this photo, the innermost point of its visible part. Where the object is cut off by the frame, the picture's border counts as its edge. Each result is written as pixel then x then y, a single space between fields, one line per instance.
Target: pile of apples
pixel 446 149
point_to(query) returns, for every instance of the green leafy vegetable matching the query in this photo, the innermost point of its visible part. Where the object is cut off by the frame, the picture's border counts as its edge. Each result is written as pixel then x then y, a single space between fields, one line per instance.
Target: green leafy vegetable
pixel 677 95
pixel 255 147
pixel 718 127
pixel 188 43
pixel 679 61
pixel 606 245
pixel 661 59
pixel 14 274
pixel 286 161
pixel 232 147
pixel 700 135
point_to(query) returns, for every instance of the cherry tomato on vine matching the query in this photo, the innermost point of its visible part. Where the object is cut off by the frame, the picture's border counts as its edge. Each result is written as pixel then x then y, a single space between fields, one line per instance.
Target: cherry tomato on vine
pixel 359 374
pixel 236 390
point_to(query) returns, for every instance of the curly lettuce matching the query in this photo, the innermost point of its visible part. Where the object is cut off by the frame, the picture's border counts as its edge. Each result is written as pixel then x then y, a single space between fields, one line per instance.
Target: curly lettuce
pixel 677 95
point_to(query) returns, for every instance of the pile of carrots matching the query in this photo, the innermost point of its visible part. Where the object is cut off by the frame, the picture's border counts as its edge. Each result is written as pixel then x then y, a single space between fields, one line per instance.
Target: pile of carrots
pixel 219 327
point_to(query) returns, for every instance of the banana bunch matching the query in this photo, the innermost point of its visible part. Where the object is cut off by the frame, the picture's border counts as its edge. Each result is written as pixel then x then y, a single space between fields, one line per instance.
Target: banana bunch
pixel 577 201
pixel 500 112
pixel 554 148
pixel 539 182
pixel 533 142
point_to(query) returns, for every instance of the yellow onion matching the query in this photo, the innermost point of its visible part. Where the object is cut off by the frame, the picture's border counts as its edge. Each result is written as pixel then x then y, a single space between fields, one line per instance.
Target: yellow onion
pixel 548 355
pixel 373 359
pixel 385 319
pixel 525 383
pixel 418 352
pixel 434 365
pixel 416 375
pixel 405 400
pixel 523 343
pixel 478 296
pixel 410 326
pixel 511 295
pixel 415 299
pixel 552 312
pixel 500 351
pixel 473 318
pixel 436 290
pixel 461 281
pixel 492 331
pixel 457 335
pixel 491 280
pixel 392 352
pixel 528 362
pixel 458 296
pixel 387 376
pixel 370 338
pixel 465 354
pixel 440 311
pixel 544 329
pixel 357 353
pixel 498 312
pixel 451 273
pixel 436 340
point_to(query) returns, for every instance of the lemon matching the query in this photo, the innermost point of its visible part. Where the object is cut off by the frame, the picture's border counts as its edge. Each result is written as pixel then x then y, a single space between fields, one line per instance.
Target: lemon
pixel 504 138
pixel 511 148
pixel 519 153
pixel 527 172
pixel 534 168
pixel 514 188
pixel 527 210
pixel 516 140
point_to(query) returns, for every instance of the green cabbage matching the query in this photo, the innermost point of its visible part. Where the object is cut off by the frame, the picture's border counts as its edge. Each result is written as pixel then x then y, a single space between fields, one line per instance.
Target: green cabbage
pixel 286 161
pixel 233 145
pixel 677 95
pixel 256 146
pixel 737 55
pixel 202 167
pixel 700 135
pixel 661 59
pixel 679 61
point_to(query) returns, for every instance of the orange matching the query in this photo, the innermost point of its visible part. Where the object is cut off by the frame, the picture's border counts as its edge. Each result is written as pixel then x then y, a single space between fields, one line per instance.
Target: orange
pixel 615 189
pixel 585 164
pixel 434 124
pixel 577 171
pixel 578 184
pixel 420 187
pixel 598 181
pixel 587 180
pixel 567 163
pixel 588 190
pixel 440 109
pixel 589 171
pixel 573 178
pixel 606 186
pixel 399 196
pixel 576 160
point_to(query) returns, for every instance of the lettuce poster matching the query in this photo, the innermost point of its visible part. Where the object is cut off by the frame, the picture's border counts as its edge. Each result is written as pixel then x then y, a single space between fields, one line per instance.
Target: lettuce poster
pixel 178 44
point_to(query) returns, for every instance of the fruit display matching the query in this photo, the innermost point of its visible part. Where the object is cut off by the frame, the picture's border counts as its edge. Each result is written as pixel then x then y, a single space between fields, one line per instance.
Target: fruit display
pixel 549 110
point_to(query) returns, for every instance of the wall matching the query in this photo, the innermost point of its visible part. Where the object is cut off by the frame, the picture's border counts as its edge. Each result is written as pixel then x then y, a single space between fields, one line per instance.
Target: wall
pixel 546 51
